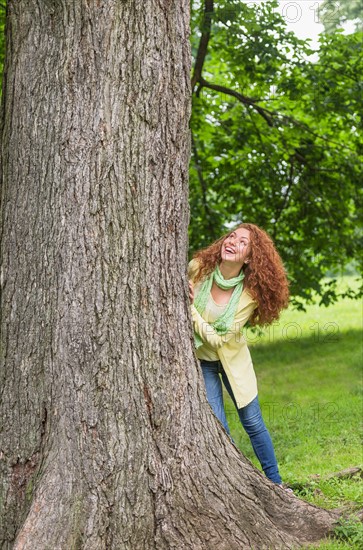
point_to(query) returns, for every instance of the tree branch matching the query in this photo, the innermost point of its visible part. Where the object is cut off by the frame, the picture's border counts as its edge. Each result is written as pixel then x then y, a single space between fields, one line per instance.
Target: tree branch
pixel 285 200
pixel 306 127
pixel 242 98
pixel 203 186
pixel 198 168
pixel 258 133
pixel 266 113
pixel 203 43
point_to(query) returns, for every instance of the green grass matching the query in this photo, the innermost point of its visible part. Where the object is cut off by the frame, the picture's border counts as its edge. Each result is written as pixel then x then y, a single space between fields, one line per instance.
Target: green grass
pixel 309 372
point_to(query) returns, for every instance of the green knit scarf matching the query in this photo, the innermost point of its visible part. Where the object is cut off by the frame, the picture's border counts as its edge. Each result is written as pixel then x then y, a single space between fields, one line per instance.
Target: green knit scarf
pixel 225 320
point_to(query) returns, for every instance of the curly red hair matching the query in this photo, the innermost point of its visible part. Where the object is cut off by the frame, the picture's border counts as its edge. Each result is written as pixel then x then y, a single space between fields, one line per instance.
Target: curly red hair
pixel 265 275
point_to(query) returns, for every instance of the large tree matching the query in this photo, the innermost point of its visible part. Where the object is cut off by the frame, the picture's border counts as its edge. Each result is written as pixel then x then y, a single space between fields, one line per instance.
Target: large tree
pixel 107 441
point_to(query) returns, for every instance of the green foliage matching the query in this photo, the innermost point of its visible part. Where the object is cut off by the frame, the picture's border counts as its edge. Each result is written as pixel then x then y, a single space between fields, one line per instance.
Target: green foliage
pixel 350 531
pixel 332 493
pixel 285 154
pixel 347 535
pixel 333 14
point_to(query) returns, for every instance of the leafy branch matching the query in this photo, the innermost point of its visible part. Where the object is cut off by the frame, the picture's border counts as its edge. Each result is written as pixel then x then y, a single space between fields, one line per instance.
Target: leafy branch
pixel 203 43
pixel 242 98
pixel 271 117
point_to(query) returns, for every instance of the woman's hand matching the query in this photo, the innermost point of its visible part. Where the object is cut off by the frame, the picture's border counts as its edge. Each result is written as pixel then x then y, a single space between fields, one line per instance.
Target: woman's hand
pixel 191 292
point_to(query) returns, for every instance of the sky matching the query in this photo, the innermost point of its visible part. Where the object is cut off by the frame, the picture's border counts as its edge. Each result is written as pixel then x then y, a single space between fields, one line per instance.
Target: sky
pixel 303 18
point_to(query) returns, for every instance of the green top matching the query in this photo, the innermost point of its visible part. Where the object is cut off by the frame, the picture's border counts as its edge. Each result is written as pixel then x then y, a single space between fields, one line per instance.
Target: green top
pixel 224 322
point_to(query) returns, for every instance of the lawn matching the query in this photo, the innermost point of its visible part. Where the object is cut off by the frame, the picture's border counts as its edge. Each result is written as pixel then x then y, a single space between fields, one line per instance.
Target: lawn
pixel 309 372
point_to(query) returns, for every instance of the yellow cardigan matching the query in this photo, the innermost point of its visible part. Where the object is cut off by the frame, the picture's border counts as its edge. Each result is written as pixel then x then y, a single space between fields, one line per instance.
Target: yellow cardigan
pixel 231 348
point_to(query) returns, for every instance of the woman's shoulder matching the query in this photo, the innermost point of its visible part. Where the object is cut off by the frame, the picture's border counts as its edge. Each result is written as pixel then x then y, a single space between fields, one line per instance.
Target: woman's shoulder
pixel 247 299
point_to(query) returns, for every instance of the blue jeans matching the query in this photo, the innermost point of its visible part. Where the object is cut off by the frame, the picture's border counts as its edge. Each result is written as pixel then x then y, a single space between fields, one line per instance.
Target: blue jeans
pixel 250 417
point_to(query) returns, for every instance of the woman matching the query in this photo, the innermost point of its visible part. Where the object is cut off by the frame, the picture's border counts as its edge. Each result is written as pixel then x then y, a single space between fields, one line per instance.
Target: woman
pixel 238 278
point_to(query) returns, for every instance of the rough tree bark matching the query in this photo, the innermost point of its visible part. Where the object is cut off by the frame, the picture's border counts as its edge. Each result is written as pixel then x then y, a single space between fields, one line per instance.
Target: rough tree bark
pixel 107 441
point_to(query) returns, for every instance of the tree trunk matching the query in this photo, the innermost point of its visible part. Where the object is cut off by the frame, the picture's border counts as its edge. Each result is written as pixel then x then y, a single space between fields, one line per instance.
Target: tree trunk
pixel 107 441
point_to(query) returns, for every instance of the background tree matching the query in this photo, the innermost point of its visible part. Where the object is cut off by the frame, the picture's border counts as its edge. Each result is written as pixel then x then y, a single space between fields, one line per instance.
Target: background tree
pixel 277 139
pixel 107 440
pixel 334 13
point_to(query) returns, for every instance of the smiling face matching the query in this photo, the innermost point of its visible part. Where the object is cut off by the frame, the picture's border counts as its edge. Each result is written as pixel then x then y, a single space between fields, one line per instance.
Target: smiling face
pixel 236 247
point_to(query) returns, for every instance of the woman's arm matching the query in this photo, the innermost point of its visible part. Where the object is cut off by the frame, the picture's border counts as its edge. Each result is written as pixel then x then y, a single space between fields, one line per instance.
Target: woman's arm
pixel 211 337
pixel 193 268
